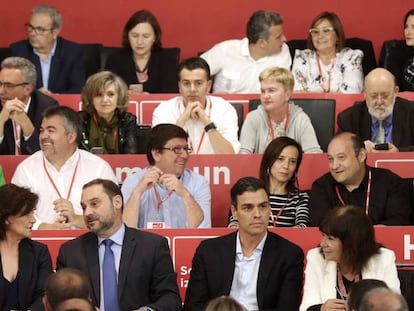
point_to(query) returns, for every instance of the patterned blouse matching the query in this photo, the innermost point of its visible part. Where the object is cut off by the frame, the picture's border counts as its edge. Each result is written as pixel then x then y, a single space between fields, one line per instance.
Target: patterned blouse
pixel 343 75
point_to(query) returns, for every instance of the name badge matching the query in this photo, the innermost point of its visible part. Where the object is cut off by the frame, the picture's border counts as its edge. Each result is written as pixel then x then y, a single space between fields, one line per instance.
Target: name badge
pixel 155 225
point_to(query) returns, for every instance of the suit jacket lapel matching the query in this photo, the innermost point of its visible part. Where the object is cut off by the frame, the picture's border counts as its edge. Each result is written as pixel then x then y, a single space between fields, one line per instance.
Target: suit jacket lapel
pixel 397 124
pixel 229 262
pixel 128 250
pixel 55 64
pixel 26 267
pixel 92 260
pixel 265 268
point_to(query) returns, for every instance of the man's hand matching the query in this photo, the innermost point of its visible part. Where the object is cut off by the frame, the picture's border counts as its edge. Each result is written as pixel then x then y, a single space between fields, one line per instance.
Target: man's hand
pixel 11 108
pixel 149 179
pixel 195 111
pixel 67 214
pixel 172 183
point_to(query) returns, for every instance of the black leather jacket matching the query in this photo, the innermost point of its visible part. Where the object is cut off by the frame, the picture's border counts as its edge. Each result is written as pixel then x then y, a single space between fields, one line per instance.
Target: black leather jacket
pixel 127 132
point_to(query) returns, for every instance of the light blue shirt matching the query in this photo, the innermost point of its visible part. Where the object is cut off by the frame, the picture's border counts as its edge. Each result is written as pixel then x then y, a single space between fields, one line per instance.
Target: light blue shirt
pixel 172 210
pixel 246 270
pixel 118 239
pixel 45 65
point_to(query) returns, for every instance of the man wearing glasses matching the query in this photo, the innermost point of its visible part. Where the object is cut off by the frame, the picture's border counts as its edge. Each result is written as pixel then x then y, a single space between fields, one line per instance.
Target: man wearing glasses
pixel 21 107
pixel 58 61
pixel 166 194
pixel 210 121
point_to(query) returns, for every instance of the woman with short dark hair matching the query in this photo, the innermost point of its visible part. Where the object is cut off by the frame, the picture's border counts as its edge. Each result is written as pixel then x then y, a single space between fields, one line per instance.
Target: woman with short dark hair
pixel 24 264
pixel 348 252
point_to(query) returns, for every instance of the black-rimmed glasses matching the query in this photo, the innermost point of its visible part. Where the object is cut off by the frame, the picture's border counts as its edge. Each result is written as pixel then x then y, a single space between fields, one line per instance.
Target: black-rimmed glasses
pixel 179 149
pixel 9 86
pixel 37 30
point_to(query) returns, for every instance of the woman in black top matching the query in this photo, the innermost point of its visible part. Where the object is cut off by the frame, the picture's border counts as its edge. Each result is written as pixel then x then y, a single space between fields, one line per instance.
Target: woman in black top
pixel 143 60
pixel 107 126
pixel 24 264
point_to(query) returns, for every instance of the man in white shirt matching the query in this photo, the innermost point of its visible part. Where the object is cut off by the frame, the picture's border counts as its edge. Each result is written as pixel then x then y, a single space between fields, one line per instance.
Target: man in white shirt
pixel 59 170
pixel 210 121
pixel 236 64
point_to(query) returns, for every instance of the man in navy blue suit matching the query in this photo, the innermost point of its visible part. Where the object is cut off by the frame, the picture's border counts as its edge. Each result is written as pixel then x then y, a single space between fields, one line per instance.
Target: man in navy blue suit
pixel 59 62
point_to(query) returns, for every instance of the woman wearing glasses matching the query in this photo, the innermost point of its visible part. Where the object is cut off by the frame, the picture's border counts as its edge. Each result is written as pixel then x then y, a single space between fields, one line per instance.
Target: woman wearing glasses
pixel 107 126
pixel 327 66
pixel 347 253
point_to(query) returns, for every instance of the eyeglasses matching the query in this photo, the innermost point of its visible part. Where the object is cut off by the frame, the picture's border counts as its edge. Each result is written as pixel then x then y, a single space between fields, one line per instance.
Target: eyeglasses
pixel 37 30
pixel 325 31
pixel 9 86
pixel 179 149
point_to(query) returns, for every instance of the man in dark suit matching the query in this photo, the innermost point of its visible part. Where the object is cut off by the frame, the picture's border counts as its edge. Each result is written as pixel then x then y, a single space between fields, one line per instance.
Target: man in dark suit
pixel 260 269
pixel 21 107
pixel 381 108
pixel 146 278
pixel 59 62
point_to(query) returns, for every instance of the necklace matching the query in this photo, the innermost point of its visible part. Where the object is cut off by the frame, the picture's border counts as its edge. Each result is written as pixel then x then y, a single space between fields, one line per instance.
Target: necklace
pixel 142 74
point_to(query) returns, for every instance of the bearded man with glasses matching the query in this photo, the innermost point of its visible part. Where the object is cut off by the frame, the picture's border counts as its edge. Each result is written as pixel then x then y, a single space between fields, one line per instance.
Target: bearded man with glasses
pixel 58 61
pixel 166 194
pixel 21 107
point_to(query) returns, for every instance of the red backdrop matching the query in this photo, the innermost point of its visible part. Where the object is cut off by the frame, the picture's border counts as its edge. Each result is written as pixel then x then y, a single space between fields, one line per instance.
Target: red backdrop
pixel 197 25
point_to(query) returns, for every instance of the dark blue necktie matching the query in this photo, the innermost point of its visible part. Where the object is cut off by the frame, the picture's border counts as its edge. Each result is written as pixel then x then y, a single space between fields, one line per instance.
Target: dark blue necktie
pixel 110 288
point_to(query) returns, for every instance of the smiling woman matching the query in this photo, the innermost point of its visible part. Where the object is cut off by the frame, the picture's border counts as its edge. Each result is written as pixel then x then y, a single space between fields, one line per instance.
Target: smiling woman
pixel 345 256
pixel 327 66
pixel 24 264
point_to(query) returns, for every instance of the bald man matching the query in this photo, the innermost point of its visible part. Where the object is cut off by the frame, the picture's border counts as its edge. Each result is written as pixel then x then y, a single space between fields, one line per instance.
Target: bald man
pixel 384 121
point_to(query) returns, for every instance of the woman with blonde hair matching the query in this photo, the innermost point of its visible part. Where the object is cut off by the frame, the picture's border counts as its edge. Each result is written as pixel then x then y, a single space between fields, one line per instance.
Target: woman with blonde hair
pixel 277 116
pixel 107 126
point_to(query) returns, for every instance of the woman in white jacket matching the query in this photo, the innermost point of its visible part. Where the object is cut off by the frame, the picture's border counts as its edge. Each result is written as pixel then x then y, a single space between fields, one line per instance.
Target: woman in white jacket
pixel 348 253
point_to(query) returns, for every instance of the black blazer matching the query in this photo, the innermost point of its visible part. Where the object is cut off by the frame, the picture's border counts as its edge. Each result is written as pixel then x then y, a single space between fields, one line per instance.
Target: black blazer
pixel 67 73
pixel 39 103
pixel 146 276
pixel 162 70
pixel 127 132
pixel 35 265
pixel 356 119
pixel 279 283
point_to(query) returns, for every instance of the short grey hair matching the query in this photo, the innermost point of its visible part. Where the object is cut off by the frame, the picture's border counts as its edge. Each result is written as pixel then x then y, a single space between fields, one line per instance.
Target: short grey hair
pixel 25 66
pixel 366 302
pixel 55 15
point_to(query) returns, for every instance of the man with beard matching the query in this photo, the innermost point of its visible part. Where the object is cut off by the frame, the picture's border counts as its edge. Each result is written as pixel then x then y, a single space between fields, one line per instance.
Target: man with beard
pixel 384 121
pixel 58 171
pixel 143 277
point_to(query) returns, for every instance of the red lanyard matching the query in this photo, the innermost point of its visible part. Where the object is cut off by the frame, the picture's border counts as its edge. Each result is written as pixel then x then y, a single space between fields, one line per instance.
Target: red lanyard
pixel 275 218
pixel 160 200
pixel 272 133
pixel 342 290
pixel 17 137
pixel 197 150
pixel 367 197
pixel 53 183
pixel 322 79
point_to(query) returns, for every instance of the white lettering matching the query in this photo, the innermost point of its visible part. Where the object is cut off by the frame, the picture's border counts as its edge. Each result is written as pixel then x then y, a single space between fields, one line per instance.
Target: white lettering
pixel 218 171
pixel 183 283
pixel 184 270
pixel 408 247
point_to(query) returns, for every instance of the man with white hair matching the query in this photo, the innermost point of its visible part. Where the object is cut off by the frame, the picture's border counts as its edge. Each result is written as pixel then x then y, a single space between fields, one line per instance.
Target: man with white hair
pixel 384 121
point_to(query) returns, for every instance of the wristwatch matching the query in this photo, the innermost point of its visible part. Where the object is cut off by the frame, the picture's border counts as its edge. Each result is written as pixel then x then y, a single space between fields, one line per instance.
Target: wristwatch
pixel 145 308
pixel 210 126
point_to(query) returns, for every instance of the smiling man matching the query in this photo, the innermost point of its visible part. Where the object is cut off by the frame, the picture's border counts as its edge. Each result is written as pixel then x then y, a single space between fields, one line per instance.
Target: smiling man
pixel 210 121
pixel 258 268
pixel 166 194
pixel 59 170
pixel 236 64
pixel 59 62
pixel 383 195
